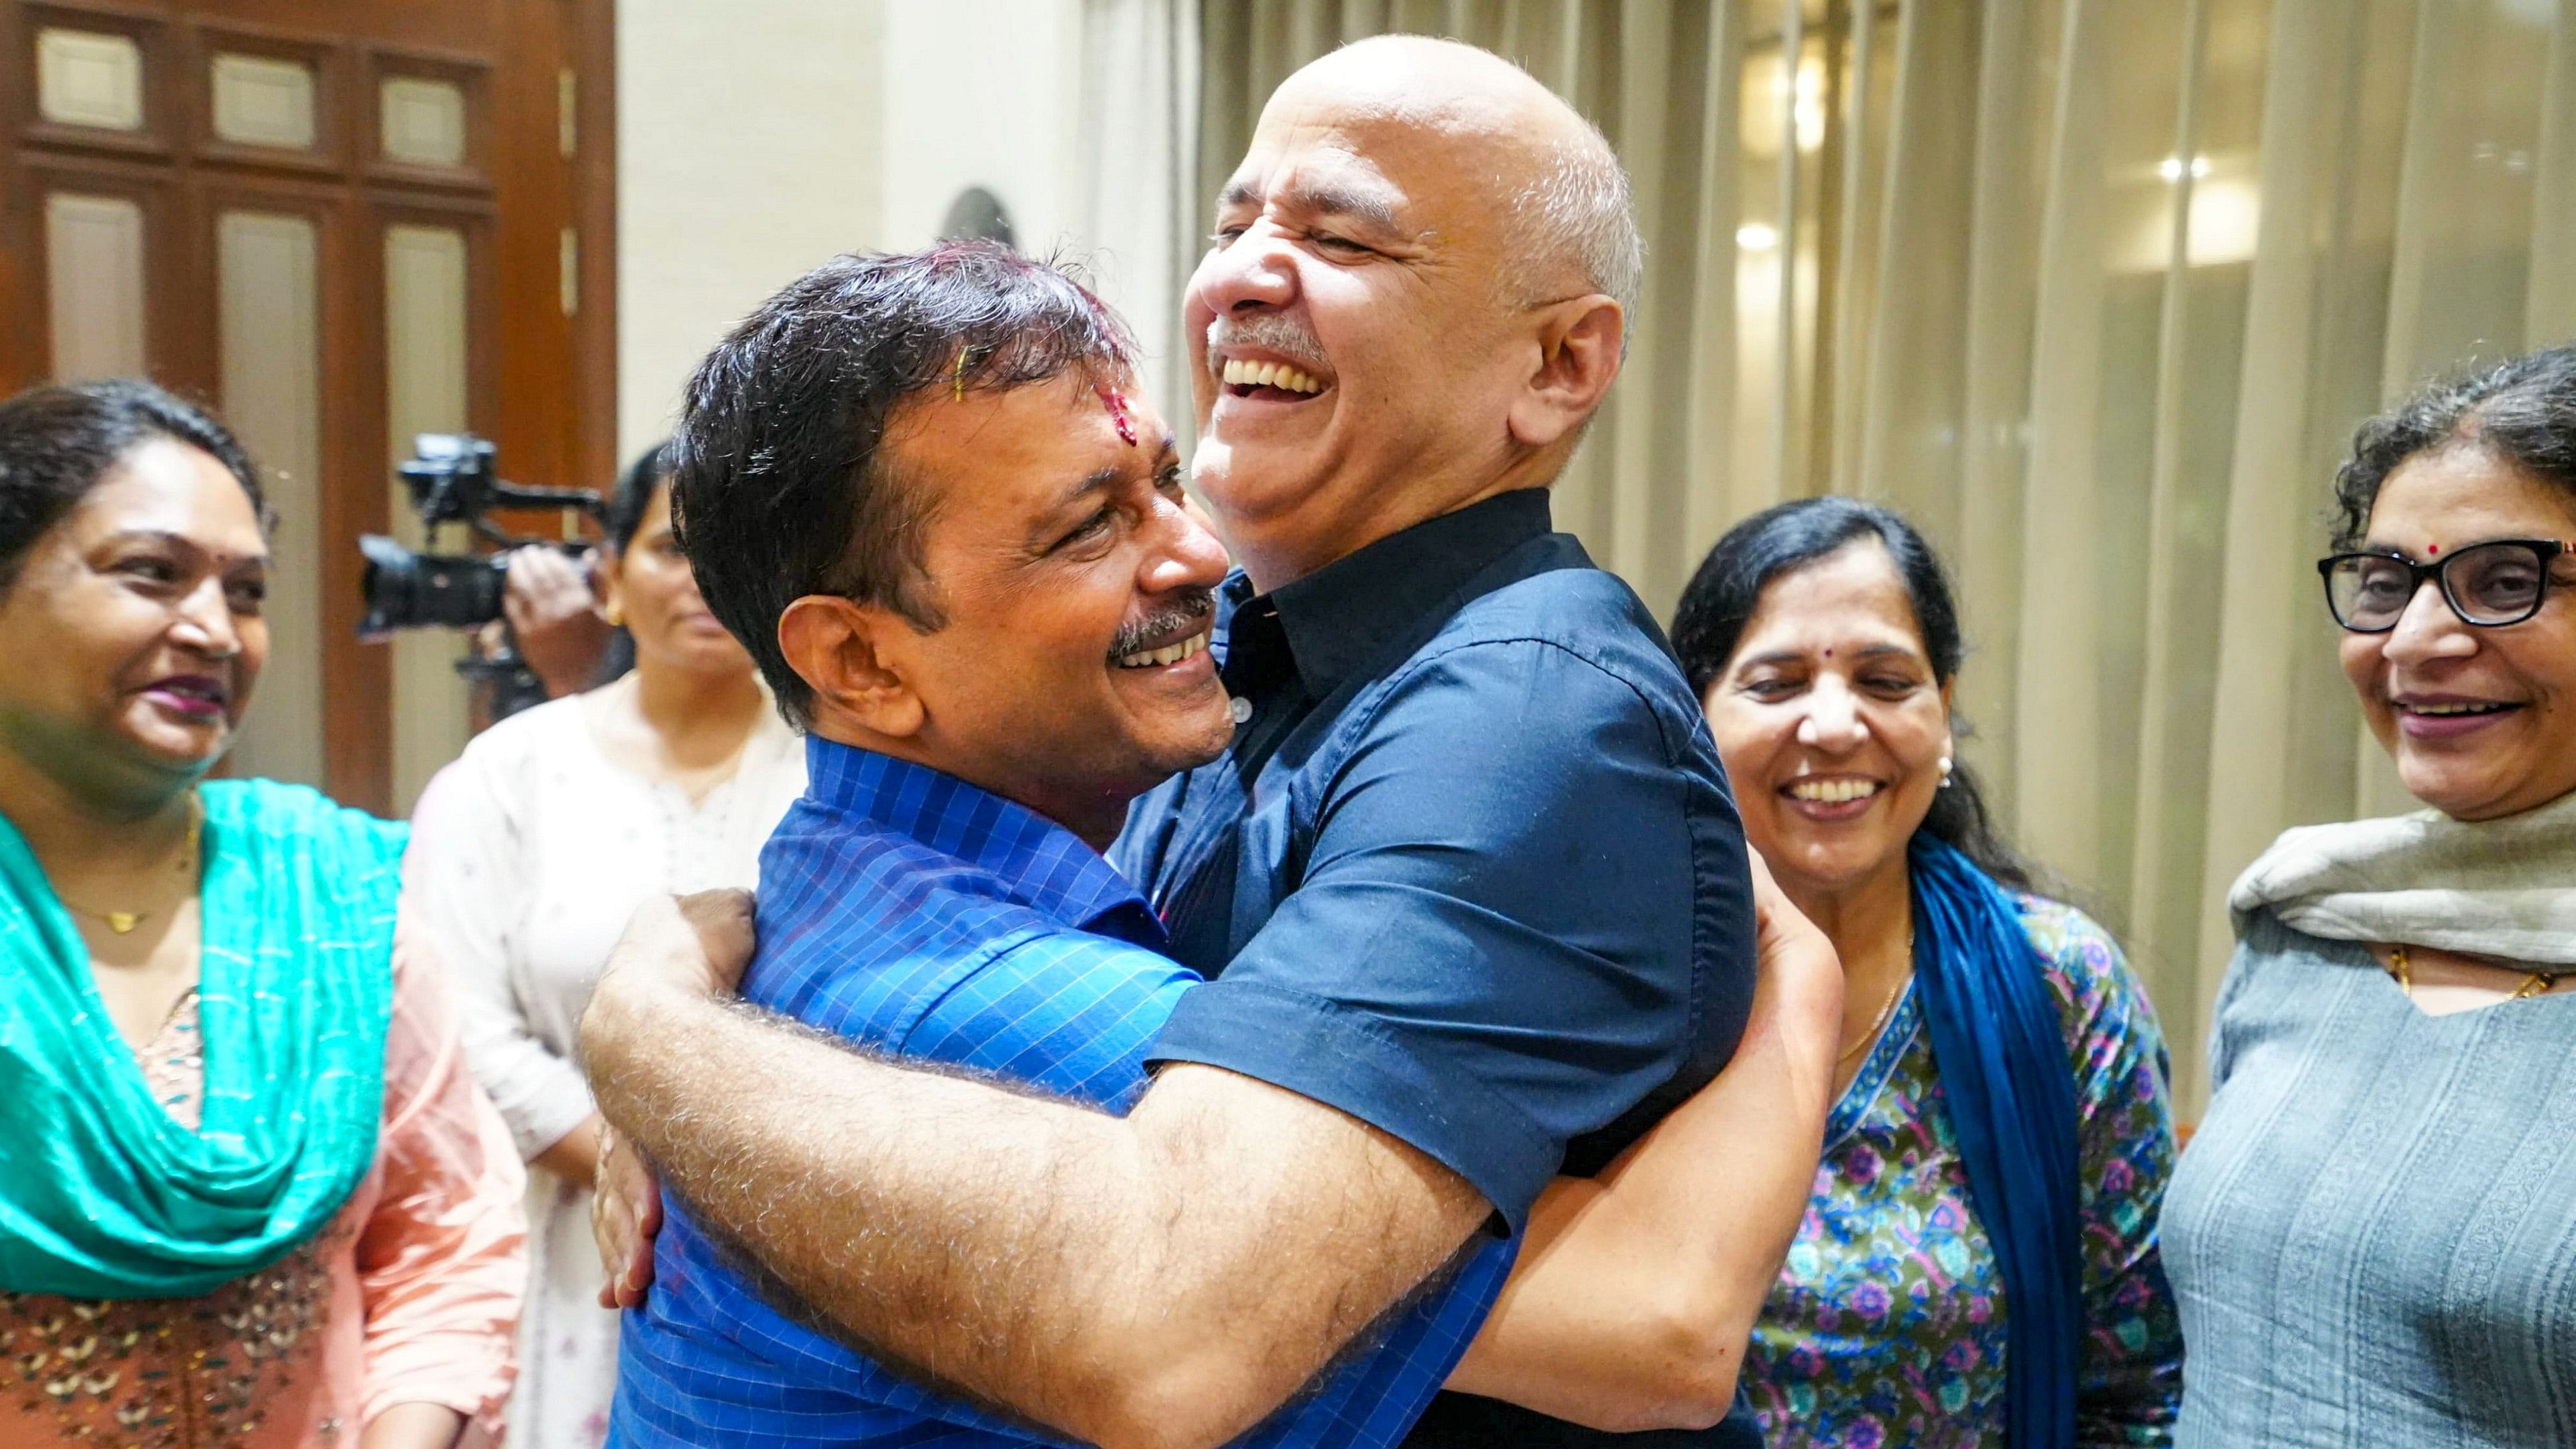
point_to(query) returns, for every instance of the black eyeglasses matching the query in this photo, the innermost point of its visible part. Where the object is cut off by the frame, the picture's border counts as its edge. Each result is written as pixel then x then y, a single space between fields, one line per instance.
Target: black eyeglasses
pixel 2487 584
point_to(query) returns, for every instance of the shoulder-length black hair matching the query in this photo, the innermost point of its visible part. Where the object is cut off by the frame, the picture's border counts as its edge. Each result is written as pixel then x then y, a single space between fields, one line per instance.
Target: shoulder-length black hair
pixel 1727 591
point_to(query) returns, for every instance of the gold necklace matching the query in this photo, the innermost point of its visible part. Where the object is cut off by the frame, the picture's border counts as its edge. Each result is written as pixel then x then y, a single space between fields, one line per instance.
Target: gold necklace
pixel 2535 984
pixel 1884 1012
pixel 125 923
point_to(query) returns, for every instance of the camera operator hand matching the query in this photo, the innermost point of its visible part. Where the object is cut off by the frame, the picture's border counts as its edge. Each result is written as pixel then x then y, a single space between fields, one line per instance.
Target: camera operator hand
pixel 548 600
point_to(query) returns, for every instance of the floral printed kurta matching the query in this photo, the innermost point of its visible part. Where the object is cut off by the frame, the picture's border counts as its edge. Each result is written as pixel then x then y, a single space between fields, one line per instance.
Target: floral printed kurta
pixel 1887 1324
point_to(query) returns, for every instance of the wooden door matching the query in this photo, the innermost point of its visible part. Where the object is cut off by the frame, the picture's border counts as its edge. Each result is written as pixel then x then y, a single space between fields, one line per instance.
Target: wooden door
pixel 341 222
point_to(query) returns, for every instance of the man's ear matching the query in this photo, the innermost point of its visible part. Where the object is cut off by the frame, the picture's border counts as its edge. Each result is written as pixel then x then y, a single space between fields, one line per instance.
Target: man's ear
pixel 839 647
pixel 1578 358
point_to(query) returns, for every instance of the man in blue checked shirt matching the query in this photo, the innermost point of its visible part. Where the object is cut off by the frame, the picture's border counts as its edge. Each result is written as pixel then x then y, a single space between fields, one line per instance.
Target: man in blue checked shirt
pixel 1465 876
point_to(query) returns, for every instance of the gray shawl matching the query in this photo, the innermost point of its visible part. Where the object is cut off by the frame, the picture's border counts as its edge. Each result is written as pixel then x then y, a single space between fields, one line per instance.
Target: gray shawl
pixel 2503 888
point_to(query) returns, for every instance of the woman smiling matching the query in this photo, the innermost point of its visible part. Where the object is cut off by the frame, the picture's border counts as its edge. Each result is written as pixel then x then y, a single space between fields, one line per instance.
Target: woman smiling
pixel 2374 1235
pixel 1978 1261
pixel 247 1193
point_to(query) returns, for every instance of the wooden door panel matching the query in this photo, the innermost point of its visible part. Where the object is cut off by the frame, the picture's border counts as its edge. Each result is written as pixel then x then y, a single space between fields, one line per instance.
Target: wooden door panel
pixel 160 87
pixel 172 343
pixel 324 153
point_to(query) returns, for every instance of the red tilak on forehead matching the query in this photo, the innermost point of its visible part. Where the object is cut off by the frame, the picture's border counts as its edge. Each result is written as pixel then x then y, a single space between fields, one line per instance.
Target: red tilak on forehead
pixel 2437 548
pixel 1116 401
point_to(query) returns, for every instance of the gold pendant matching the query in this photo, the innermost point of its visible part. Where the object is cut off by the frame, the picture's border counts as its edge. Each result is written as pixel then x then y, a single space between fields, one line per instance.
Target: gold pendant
pixel 123 922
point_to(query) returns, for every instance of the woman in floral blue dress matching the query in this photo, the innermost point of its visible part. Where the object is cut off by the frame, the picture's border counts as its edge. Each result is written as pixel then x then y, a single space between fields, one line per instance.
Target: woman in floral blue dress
pixel 1978 1265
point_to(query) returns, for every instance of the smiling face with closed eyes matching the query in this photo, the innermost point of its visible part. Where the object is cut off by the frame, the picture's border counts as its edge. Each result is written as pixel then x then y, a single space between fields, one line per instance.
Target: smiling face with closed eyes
pixel 1363 354
pixel 1832 724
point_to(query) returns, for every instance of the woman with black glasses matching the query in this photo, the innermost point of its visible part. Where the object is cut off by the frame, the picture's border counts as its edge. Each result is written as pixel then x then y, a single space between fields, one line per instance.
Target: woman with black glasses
pixel 2373 1236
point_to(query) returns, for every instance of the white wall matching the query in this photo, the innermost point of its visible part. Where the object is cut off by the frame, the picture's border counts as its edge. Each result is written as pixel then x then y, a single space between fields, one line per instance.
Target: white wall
pixel 750 146
pixel 983 93
pixel 756 139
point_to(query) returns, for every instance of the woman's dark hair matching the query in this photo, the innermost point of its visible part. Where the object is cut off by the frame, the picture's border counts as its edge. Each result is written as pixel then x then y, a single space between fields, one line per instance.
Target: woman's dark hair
pixel 1727 591
pixel 634 496
pixel 57 443
pixel 779 488
pixel 619 523
pixel 2523 412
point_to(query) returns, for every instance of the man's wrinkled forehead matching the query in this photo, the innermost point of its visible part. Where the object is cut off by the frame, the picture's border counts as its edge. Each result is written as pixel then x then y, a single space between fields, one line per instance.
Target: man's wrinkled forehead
pixel 1316 173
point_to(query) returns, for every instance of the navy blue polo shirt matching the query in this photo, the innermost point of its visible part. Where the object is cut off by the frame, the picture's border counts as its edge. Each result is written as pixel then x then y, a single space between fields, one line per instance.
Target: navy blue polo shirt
pixel 1470 871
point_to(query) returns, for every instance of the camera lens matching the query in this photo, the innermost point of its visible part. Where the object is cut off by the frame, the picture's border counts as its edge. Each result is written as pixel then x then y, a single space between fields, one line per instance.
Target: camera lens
pixel 406 590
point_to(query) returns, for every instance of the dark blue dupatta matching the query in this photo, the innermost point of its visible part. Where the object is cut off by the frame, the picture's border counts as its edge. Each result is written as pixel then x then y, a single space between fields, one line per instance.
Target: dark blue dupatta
pixel 2002 1058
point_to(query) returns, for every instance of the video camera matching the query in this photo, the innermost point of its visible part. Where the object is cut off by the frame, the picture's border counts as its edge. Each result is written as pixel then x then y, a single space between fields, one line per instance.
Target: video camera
pixel 452 480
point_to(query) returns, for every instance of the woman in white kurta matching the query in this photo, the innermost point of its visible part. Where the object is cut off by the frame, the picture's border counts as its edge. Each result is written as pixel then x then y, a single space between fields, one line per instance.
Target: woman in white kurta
pixel 529 854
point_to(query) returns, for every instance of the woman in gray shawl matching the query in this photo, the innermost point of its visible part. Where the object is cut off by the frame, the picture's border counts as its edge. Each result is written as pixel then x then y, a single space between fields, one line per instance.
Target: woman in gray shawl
pixel 2373 1236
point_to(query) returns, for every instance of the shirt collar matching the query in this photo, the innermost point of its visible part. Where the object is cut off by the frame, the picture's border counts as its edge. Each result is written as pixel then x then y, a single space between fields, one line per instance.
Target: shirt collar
pixel 1043 865
pixel 1336 617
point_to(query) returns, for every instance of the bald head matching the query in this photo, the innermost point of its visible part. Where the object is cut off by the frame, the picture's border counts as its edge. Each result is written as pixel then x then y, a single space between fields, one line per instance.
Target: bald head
pixel 1416 297
pixel 1570 220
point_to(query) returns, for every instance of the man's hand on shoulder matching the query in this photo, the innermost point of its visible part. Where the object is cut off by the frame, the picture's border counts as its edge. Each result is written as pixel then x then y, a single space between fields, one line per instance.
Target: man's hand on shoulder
pixel 693 947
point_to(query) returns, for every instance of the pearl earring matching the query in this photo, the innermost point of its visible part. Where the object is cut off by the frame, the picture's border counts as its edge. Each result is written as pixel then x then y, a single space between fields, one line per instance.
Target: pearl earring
pixel 1945 772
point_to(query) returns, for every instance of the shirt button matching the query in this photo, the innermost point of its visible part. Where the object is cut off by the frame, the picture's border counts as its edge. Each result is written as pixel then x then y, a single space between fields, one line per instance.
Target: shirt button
pixel 1240 708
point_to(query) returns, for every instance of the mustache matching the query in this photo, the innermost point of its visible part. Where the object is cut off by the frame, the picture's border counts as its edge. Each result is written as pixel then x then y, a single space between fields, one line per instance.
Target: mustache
pixel 1270 331
pixel 1195 606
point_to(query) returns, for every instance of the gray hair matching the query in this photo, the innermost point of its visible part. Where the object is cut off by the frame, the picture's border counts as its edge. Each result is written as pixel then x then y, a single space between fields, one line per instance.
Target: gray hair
pixel 1579 211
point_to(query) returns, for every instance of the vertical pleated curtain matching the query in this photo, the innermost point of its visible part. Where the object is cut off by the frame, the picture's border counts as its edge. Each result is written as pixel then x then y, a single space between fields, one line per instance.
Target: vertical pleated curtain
pixel 2093 290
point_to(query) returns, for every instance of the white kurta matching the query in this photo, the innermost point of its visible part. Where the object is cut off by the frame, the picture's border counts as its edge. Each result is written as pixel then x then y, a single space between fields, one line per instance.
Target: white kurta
pixel 528 856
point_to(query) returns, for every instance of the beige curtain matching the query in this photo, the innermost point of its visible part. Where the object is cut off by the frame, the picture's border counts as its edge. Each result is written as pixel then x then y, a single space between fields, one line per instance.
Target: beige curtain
pixel 2095 291
pixel 1140 217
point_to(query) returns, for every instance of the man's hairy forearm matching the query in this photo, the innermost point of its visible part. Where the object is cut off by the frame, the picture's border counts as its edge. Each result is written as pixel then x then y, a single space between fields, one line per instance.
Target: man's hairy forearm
pixel 1165 1278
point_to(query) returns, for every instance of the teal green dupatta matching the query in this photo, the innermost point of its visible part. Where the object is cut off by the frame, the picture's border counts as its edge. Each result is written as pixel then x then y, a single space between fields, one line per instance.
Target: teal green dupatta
pixel 102 1195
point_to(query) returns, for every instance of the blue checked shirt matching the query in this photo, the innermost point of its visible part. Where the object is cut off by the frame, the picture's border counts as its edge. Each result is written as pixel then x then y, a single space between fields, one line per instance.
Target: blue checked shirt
pixel 924 918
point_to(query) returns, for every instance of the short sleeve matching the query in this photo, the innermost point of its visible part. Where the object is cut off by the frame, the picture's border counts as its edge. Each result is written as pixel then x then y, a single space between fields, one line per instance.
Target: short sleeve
pixel 1526 916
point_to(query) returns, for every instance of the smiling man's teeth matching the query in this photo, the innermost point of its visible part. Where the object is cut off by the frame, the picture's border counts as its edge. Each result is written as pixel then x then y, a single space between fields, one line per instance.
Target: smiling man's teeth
pixel 1240 372
pixel 1168 654
pixel 1832 792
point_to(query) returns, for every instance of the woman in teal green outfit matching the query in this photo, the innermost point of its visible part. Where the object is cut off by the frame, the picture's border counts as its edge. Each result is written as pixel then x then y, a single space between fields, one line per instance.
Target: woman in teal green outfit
pixel 245 1193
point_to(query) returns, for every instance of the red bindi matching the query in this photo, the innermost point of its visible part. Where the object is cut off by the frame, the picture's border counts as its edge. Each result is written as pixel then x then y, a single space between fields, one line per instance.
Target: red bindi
pixel 1116 401
pixel 2435 549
